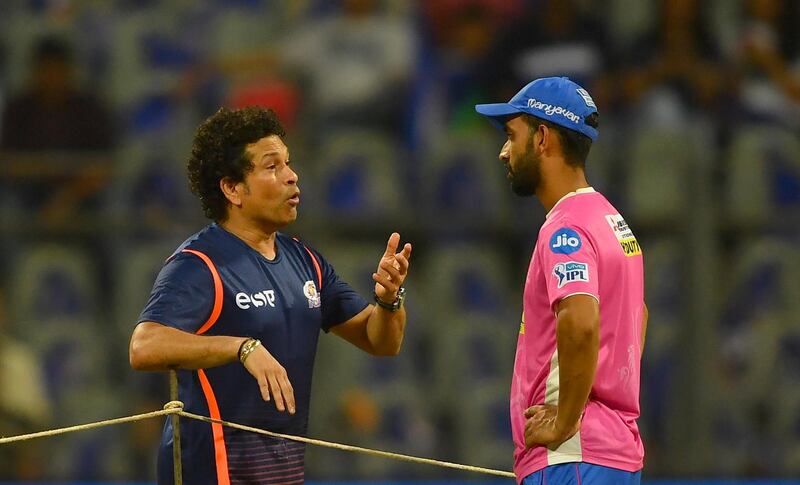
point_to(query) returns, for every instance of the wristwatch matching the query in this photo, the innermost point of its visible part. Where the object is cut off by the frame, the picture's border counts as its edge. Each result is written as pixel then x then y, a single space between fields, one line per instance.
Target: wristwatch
pixel 394 306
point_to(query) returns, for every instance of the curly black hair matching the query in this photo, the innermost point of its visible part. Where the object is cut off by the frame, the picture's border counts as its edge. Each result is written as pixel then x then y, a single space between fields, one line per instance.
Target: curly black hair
pixel 218 151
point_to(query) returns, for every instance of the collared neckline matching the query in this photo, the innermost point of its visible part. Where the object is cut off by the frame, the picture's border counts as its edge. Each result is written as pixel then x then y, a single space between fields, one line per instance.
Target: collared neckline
pixel 584 190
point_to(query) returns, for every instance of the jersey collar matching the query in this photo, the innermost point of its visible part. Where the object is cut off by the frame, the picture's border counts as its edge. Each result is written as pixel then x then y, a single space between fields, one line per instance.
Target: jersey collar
pixel 585 190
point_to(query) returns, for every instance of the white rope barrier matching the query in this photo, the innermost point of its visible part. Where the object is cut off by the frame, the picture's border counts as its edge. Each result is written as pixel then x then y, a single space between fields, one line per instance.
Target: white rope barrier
pixel 172 407
pixel 176 408
pixel 355 449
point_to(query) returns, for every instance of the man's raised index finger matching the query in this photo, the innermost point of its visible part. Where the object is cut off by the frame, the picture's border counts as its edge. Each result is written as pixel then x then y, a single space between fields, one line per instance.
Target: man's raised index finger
pixel 391 246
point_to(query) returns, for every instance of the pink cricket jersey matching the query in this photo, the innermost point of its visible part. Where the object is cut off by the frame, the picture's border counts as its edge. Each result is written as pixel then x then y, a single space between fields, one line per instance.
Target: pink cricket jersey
pixel 584 247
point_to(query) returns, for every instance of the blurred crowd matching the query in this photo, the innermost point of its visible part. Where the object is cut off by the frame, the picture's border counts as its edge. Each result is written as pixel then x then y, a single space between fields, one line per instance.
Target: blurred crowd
pixel 699 106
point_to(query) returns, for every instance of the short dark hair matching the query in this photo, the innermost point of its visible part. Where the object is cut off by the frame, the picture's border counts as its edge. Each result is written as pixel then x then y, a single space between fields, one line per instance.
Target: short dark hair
pixel 218 151
pixel 574 145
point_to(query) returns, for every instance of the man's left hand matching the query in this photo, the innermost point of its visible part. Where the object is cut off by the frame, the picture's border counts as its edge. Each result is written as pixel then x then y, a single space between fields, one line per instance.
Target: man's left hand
pixel 392 269
pixel 541 430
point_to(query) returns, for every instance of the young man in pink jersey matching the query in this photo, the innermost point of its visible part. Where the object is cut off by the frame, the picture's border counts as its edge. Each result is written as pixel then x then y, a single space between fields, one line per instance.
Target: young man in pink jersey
pixel 575 391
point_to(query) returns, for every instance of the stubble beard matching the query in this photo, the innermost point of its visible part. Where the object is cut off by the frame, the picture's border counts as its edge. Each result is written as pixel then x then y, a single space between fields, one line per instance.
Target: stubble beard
pixel 527 175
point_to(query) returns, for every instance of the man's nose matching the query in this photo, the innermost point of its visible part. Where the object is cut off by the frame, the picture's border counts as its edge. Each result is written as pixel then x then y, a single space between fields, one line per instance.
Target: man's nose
pixel 505 152
pixel 293 177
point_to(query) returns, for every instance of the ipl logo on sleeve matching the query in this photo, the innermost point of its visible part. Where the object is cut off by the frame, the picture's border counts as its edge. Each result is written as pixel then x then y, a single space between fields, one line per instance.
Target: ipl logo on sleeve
pixel 570 272
pixel 565 241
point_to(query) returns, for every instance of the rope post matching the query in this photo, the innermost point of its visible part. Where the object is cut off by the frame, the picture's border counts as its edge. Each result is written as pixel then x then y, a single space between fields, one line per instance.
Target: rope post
pixel 176 430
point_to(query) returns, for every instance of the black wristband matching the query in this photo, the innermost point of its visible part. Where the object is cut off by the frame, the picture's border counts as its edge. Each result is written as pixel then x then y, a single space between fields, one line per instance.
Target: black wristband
pixel 396 304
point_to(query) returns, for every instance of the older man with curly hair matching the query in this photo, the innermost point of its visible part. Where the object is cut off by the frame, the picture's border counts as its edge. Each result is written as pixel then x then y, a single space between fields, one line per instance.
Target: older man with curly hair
pixel 238 308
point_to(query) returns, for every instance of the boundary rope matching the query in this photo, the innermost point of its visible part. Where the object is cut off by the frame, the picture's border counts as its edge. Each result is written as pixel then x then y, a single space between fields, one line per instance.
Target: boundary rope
pixel 356 449
pixel 176 408
pixel 172 407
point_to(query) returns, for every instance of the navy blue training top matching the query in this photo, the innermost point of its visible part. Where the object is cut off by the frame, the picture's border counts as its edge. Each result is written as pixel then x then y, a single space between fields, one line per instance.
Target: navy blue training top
pixel 215 284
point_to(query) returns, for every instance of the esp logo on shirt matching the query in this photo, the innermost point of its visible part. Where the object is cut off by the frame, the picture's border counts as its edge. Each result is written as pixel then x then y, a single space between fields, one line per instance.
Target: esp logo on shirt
pixel 565 241
pixel 262 298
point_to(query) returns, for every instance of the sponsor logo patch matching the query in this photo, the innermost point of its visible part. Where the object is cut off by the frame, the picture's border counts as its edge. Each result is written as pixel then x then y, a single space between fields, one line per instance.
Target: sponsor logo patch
pixel 551 110
pixel 628 242
pixel 570 272
pixel 565 241
pixel 262 298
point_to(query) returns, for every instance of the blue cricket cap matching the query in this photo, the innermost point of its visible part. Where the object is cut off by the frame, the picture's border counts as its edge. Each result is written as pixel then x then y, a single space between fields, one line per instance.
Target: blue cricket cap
pixel 555 99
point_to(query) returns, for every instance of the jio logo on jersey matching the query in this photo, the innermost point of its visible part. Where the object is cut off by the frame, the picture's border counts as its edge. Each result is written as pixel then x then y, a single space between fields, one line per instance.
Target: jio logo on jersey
pixel 570 272
pixel 565 241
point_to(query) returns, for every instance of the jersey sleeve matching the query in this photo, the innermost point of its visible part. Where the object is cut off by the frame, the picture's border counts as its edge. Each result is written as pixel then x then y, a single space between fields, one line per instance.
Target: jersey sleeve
pixel 569 260
pixel 340 302
pixel 182 296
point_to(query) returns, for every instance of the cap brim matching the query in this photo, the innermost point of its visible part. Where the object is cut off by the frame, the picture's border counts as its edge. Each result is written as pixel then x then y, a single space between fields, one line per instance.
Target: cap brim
pixel 496 109
pixel 498 113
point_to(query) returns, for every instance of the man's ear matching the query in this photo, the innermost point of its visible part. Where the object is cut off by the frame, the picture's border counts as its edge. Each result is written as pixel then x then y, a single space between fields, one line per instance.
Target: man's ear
pixel 548 140
pixel 232 190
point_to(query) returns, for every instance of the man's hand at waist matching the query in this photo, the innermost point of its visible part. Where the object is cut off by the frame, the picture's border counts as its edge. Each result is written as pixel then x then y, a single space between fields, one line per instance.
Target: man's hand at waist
pixel 543 428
